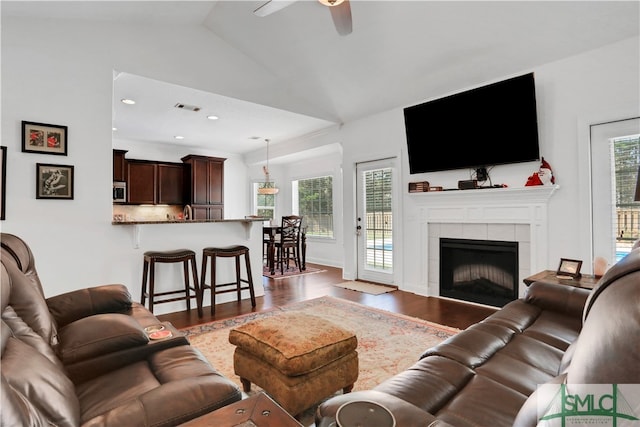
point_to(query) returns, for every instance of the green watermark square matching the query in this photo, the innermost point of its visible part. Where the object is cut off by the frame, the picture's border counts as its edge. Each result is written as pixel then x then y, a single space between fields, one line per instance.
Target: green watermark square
pixel 572 405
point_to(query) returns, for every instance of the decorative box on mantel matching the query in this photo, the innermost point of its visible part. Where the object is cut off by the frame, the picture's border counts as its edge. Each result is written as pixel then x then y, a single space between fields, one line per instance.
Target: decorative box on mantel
pixel 418 187
pixel 516 214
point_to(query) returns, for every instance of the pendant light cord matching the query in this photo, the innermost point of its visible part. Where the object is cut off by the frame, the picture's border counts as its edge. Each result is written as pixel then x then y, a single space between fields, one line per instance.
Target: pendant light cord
pixel 267 170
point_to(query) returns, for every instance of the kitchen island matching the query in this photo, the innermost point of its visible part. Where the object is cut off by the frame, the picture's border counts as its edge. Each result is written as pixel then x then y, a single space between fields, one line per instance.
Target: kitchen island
pixel 195 235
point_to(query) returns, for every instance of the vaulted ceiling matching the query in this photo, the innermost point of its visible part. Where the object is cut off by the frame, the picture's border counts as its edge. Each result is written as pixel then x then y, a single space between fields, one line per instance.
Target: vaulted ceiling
pixel 399 53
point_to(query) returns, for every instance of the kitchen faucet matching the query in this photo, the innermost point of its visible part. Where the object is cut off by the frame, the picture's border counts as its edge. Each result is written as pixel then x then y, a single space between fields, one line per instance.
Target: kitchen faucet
pixel 187 212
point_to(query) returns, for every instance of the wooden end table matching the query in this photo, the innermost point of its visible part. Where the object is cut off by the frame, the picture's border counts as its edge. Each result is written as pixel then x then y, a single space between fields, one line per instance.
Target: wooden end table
pixel 258 410
pixel 586 281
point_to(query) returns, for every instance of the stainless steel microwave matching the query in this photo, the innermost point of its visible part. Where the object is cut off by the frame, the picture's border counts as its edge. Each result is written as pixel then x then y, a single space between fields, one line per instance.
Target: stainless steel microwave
pixel 119 192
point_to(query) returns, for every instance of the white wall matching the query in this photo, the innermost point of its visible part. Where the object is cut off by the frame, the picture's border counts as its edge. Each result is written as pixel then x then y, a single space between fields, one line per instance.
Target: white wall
pixel 61 73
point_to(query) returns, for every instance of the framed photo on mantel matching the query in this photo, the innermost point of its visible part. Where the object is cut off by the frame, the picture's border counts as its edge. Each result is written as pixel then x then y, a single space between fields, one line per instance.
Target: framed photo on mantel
pixel 44 138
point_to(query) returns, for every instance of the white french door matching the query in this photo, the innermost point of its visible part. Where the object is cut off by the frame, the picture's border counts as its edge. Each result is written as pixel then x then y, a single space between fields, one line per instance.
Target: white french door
pixel 375 200
pixel 613 233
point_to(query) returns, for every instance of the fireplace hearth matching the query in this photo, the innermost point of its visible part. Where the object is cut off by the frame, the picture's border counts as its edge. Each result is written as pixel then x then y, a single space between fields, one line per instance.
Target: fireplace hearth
pixel 481 271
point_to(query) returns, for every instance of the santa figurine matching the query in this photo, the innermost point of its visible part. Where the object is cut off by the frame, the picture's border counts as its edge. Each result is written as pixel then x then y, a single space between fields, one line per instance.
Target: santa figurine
pixel 544 176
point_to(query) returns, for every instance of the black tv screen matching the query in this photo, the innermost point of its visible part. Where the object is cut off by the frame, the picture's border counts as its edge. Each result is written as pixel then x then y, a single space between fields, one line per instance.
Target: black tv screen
pixel 490 125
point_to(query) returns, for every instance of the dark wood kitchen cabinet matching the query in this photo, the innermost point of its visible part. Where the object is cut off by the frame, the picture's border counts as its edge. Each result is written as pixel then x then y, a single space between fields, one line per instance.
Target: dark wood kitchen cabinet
pixel 155 183
pixel 141 182
pixel 119 165
pixel 205 178
pixel 170 183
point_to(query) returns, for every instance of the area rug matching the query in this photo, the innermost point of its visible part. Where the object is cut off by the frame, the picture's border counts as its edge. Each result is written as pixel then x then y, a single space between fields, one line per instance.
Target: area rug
pixel 367 288
pixel 388 343
pixel 292 271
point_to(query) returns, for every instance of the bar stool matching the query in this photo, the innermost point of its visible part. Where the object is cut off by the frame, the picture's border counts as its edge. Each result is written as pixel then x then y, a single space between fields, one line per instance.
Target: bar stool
pixel 226 252
pixel 179 255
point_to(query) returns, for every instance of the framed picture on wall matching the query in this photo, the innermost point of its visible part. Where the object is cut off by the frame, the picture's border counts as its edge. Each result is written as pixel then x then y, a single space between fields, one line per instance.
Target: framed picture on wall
pixel 54 181
pixel 44 138
pixel 569 268
pixel 3 184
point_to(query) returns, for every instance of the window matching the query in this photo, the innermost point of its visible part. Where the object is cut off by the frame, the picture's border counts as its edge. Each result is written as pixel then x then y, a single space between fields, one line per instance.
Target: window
pixel 313 199
pixel 265 204
pixel 626 157
pixel 379 218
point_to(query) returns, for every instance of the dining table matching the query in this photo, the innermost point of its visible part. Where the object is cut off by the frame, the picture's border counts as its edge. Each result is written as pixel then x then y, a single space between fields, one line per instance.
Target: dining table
pixel 271 231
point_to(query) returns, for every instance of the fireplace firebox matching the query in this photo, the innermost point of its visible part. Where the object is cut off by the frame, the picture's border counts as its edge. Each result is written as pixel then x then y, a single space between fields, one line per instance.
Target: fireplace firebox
pixel 481 271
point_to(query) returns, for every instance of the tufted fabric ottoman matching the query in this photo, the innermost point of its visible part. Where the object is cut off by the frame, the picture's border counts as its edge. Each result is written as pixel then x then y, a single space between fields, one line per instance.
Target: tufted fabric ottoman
pixel 297 358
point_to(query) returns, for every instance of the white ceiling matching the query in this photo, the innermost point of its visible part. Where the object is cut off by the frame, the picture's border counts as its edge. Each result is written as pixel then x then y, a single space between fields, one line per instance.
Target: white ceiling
pixel 241 126
pixel 400 53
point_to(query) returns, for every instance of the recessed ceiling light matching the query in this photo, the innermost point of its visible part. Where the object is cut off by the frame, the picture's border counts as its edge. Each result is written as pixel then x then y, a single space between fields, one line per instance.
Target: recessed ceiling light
pixel 114 128
pixel 212 117
pixel 179 137
pixel 128 101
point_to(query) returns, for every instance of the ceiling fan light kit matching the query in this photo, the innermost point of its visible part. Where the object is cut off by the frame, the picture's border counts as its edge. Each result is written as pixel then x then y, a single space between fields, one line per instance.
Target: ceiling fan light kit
pixel 331 2
pixel 340 12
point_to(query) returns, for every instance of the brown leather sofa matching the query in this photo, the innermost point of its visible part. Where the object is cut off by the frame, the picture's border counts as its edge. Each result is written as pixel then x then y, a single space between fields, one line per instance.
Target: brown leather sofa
pixel 490 373
pixel 84 359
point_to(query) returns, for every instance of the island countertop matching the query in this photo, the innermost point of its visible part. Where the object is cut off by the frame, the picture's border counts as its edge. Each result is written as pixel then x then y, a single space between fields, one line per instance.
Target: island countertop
pixel 185 221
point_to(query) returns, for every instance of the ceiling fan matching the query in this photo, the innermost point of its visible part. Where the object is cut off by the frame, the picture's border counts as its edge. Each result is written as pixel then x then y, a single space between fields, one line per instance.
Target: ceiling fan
pixel 340 12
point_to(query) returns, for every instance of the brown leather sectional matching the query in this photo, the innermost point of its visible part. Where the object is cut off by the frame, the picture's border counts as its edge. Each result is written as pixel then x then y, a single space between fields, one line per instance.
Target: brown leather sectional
pixel 84 359
pixel 488 375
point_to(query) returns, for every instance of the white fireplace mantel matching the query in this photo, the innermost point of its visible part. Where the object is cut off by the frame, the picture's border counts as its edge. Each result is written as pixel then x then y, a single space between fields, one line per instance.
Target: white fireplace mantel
pixel 491 205
pixel 488 196
pixel 486 213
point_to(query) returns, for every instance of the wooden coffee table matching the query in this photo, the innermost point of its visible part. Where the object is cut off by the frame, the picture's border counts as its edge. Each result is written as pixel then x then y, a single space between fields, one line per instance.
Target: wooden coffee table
pixel 258 410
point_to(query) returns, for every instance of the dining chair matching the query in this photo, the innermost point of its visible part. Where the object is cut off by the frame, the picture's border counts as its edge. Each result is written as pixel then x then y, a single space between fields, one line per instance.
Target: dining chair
pixel 288 243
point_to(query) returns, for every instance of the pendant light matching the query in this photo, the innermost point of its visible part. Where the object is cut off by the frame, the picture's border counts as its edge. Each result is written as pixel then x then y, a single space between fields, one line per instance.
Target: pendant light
pixel 269 187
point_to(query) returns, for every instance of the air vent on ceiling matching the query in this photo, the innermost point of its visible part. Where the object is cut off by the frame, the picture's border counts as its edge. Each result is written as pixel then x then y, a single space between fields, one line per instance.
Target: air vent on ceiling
pixel 187 107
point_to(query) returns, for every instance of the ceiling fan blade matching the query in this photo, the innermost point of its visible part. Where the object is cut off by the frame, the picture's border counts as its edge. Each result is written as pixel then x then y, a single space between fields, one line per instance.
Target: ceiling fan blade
pixel 341 15
pixel 272 6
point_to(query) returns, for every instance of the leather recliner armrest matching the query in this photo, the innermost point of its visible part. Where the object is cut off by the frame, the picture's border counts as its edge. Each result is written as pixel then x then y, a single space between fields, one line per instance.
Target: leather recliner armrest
pixel 564 299
pixel 74 305
pixel 97 335
pixel 101 364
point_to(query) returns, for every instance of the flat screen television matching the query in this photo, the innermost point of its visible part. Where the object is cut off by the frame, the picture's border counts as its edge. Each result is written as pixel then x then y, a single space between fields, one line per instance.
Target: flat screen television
pixel 491 125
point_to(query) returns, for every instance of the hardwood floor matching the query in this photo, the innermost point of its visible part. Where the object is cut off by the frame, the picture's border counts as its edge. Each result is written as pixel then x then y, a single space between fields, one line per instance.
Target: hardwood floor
pixel 299 288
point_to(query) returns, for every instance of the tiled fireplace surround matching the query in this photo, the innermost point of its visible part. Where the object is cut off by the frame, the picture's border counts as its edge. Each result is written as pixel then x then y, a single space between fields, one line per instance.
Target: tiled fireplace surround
pixel 506 214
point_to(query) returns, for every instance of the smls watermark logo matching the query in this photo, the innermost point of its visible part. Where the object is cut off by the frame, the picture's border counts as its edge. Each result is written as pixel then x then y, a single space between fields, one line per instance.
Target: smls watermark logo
pixel 616 405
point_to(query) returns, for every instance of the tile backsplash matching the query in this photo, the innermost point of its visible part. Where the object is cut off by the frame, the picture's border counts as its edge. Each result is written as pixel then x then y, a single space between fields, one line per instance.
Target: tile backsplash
pixel 146 213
